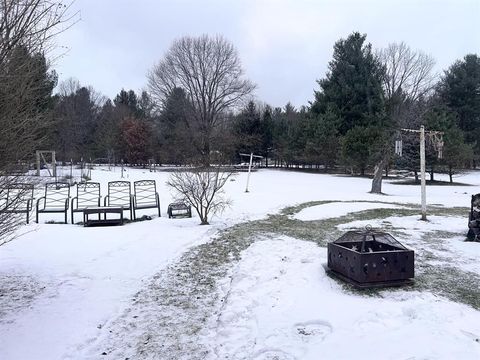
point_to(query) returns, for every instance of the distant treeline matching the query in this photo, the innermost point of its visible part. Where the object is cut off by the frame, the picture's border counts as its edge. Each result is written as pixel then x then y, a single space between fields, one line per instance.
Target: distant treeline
pixel 353 121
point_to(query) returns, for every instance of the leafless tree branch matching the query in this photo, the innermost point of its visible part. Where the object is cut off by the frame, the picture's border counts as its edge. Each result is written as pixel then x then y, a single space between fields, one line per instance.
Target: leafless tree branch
pixel 202 188
pixel 408 73
pixel 27 29
pixel 208 69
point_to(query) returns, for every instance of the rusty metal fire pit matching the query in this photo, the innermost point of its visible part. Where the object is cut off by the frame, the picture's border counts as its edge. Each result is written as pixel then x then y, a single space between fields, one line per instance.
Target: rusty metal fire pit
pixel 370 258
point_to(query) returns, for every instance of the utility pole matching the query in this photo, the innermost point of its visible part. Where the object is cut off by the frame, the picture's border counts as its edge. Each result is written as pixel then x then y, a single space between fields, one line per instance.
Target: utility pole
pixel 423 182
pixel 422 173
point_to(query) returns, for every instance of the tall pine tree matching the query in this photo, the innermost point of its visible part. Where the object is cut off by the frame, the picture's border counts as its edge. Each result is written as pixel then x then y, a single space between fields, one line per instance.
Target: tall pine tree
pixel 459 90
pixel 352 93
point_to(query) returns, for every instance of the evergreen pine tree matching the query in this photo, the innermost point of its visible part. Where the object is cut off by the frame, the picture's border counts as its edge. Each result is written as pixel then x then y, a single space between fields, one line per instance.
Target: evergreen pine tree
pixel 352 94
pixel 459 90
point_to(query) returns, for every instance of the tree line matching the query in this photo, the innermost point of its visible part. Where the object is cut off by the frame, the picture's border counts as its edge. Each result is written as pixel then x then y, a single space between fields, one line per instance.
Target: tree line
pixel 197 103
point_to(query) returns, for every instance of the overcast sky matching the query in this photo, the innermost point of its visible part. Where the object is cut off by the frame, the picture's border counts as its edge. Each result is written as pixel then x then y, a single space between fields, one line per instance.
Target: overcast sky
pixel 284 45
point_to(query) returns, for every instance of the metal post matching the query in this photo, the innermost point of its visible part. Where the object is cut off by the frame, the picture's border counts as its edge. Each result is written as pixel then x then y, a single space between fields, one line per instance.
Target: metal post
pixel 249 170
pixel 54 165
pixel 422 173
pixel 38 163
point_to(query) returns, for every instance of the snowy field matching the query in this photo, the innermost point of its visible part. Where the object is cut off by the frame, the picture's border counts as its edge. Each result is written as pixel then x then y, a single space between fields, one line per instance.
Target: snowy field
pixel 252 285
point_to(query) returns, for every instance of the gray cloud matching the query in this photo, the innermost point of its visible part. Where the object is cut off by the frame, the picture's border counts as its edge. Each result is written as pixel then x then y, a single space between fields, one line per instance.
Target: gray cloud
pixel 285 45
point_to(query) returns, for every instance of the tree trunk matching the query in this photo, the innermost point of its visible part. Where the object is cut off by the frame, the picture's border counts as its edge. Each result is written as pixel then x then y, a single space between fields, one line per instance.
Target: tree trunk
pixel 431 174
pixel 206 154
pixel 416 175
pixel 203 214
pixel 378 176
pixel 450 173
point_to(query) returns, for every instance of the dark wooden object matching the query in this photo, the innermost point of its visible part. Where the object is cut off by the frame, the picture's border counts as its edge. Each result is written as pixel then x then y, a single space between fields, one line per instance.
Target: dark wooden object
pixel 102 210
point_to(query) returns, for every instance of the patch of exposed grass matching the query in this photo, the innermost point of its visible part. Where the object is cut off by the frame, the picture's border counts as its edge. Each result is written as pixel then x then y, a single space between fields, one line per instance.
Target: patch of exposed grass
pixel 460 285
pixel 429 183
pixel 182 298
pixel 17 292
pixel 448 281
pixel 227 247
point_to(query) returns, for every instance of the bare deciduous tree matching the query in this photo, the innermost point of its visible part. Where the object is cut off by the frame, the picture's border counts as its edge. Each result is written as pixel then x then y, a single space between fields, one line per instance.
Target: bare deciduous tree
pixel 203 189
pixel 408 77
pixel 27 28
pixel 208 69
pixel 408 73
pixel 32 24
pixel 68 87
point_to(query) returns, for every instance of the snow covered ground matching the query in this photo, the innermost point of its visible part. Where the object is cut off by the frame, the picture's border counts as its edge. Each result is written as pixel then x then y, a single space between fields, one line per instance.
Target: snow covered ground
pixel 250 286
pixel 282 305
pixel 336 209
